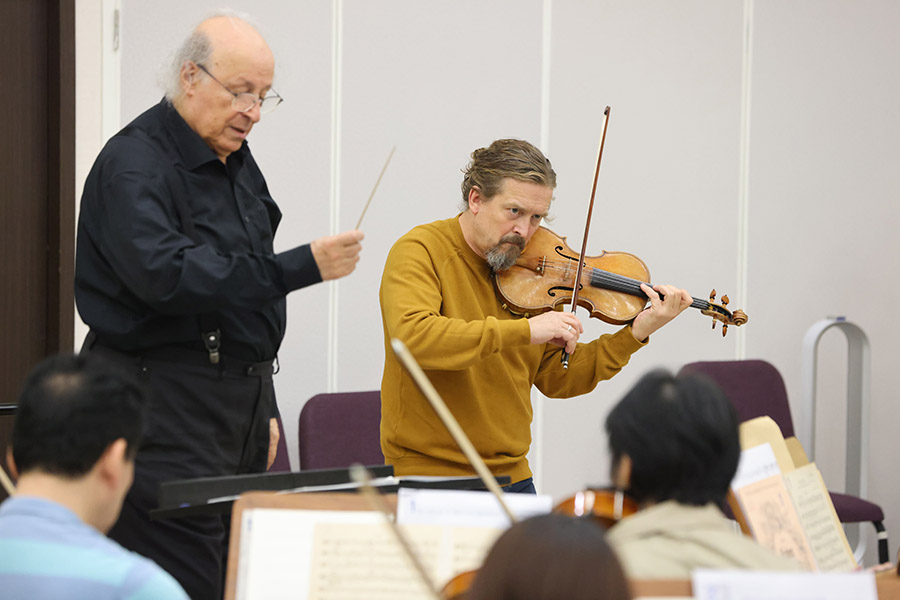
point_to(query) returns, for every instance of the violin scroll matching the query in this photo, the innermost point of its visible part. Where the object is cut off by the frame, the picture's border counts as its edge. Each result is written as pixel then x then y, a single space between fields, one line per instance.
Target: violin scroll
pixel 719 313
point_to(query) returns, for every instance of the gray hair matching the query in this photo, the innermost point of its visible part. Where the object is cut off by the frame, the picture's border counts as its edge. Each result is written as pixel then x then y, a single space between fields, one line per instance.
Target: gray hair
pixel 196 49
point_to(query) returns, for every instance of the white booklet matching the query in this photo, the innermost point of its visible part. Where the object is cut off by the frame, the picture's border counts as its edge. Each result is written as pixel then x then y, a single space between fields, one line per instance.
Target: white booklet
pixel 465 507
pixel 757 585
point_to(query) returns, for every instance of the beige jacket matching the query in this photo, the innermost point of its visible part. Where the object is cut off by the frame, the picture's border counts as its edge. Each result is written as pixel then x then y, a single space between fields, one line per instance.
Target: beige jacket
pixel 669 540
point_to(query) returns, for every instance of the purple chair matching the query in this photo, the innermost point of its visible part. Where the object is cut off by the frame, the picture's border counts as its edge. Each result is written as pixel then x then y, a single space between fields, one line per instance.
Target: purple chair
pixel 756 389
pixel 337 430
pixel 282 460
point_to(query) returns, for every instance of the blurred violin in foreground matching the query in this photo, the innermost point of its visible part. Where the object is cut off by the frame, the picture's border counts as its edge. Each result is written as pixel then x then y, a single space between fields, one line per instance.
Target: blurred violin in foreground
pixel 605 506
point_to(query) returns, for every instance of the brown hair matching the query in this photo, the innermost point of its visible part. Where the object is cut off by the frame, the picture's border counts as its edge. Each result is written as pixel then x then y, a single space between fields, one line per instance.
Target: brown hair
pixel 551 556
pixel 516 159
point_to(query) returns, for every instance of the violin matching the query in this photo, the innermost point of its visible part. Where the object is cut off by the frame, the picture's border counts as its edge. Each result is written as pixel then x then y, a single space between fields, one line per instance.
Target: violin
pixel 607 507
pixel 543 278
pixel 549 274
pixel 458 587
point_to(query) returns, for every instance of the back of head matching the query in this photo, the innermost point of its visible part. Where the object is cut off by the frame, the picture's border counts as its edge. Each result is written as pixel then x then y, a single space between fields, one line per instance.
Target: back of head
pixel 551 556
pixel 72 407
pixel 681 434
pixel 508 158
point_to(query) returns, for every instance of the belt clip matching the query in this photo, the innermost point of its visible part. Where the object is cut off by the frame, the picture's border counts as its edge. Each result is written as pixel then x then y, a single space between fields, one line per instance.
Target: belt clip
pixel 213 340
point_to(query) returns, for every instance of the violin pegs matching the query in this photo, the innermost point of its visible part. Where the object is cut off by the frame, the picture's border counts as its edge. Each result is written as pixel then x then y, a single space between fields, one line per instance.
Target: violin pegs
pixel 724 329
pixel 725 300
pixel 712 295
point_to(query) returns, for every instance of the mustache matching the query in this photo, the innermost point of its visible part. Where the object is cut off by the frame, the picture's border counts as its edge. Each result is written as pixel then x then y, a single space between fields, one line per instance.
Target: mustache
pixel 512 238
pixel 501 258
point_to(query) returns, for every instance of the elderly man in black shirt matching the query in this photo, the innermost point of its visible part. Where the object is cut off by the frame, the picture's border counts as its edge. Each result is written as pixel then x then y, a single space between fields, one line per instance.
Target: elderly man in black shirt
pixel 177 277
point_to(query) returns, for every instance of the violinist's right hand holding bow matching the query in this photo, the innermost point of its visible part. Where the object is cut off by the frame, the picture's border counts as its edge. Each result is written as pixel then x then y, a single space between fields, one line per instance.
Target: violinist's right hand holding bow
pixel 558 328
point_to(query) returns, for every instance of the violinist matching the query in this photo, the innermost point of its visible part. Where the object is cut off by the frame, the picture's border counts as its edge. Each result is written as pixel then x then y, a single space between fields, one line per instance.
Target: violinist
pixel 550 556
pixel 675 448
pixel 437 298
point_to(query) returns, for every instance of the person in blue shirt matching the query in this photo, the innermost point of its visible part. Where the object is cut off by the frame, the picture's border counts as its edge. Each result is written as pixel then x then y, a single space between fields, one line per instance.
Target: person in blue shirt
pixel 77 429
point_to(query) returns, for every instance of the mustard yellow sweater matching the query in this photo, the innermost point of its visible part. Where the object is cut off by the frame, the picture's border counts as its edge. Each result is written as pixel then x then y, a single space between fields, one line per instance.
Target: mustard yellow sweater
pixel 438 299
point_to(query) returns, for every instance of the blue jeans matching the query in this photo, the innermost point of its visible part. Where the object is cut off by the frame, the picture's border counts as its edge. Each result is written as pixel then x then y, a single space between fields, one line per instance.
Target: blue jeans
pixel 526 486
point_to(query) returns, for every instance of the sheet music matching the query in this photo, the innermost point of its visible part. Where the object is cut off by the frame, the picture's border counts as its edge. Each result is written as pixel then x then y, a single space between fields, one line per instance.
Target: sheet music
pixel 755 585
pixel 352 562
pixel 344 555
pixel 276 550
pixel 770 513
pixel 826 538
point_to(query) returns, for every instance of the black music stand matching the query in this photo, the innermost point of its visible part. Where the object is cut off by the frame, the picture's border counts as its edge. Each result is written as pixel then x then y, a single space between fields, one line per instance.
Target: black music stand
pixel 215 495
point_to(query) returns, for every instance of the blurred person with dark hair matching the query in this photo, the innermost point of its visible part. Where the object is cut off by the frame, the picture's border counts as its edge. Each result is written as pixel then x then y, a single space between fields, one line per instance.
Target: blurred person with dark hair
pixel 550 556
pixel 75 436
pixel 675 449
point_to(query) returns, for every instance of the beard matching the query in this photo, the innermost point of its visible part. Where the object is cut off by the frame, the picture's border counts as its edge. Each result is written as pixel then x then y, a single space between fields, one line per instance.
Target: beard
pixel 505 253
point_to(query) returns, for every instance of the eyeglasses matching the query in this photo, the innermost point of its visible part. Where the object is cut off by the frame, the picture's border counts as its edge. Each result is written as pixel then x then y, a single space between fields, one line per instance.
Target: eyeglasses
pixel 244 101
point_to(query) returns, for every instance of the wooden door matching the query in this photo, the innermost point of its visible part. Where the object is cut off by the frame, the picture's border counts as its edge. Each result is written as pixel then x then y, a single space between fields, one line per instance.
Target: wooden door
pixel 37 189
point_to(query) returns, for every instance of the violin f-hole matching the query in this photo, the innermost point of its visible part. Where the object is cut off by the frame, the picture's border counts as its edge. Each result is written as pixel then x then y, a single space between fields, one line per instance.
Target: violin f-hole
pixel 562 288
pixel 559 250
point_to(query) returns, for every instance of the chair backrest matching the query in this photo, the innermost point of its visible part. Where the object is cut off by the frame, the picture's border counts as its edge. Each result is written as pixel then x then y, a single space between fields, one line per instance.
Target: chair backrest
pixel 337 430
pixel 755 387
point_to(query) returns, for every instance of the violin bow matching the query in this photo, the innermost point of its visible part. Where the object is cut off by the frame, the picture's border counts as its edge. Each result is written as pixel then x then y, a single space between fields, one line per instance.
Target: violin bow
pixel 361 476
pixel 452 425
pixel 587 227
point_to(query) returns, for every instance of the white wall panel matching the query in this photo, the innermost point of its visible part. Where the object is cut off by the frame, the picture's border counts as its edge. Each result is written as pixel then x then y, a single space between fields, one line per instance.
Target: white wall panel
pixel 90 48
pixel 438 80
pixel 824 212
pixel 668 187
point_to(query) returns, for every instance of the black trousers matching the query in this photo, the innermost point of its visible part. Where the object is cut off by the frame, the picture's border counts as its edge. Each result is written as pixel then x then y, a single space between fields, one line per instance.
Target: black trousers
pixel 204 420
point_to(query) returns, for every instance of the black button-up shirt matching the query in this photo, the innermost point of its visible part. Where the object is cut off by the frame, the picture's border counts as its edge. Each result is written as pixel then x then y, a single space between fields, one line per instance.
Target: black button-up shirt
pixel 141 282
